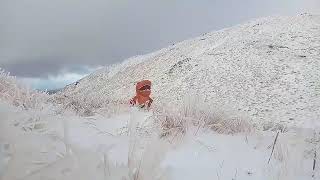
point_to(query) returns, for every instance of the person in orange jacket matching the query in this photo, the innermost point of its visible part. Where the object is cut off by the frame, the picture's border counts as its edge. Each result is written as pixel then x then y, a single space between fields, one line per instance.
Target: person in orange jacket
pixel 143 92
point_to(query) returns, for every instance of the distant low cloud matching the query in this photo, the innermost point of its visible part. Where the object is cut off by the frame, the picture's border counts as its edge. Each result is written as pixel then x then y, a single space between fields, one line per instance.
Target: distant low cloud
pixel 53 82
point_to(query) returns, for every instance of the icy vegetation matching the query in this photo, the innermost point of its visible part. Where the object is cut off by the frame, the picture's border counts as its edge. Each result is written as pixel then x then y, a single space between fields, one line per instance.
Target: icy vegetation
pixel 17 94
pixel 239 104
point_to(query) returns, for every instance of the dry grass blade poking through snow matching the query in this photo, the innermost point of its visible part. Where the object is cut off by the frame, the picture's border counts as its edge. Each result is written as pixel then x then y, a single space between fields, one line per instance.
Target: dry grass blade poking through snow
pixel 144 164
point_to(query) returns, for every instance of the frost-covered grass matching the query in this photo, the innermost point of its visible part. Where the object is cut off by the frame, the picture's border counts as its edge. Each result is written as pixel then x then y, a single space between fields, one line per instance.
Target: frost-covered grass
pixel 39 141
pixel 196 114
pixel 53 150
pixel 85 106
pixel 18 94
pixel 119 142
pixel 74 147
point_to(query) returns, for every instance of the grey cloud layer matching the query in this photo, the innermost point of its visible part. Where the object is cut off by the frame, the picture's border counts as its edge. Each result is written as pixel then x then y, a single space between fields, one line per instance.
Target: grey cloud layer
pixel 40 37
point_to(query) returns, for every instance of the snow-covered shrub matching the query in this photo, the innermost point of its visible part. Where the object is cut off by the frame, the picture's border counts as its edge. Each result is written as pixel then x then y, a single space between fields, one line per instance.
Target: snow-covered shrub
pixel 196 113
pixel 17 94
pixel 33 103
pixel 78 107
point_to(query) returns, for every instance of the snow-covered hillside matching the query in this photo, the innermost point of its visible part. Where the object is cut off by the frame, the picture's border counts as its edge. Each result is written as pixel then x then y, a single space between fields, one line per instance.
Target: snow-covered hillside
pixel 268 68
pixel 207 92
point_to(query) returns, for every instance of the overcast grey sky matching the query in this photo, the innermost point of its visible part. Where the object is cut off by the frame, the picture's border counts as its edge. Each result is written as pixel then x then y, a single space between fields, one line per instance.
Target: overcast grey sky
pixel 53 42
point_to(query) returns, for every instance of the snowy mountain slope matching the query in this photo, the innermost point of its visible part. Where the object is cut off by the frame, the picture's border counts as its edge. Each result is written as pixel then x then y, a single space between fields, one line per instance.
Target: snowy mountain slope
pixel 42 139
pixel 268 68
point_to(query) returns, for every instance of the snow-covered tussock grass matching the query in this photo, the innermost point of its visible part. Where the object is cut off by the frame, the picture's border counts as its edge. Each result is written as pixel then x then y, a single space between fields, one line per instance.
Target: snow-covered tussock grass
pixel 17 94
pixel 88 106
pixel 195 113
pixel 171 119
pixel 82 108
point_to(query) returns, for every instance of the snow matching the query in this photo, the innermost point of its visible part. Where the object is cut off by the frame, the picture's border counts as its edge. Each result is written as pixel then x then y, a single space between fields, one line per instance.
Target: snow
pixel 229 157
pixel 42 153
pixel 265 72
pixel 267 68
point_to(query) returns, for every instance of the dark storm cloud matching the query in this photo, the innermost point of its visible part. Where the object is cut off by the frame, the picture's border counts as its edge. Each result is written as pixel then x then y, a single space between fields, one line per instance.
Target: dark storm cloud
pixel 41 37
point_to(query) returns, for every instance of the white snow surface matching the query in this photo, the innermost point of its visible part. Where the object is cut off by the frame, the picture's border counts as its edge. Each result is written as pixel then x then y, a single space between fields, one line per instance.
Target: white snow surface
pixel 41 151
pixel 267 68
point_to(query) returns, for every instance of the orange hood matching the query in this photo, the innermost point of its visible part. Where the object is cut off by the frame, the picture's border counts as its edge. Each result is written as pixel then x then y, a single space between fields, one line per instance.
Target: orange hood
pixel 141 91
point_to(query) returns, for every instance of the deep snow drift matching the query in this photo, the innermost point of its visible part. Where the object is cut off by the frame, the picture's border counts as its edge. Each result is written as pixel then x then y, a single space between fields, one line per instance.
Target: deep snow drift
pixel 212 94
